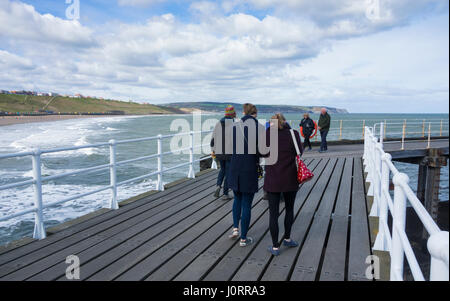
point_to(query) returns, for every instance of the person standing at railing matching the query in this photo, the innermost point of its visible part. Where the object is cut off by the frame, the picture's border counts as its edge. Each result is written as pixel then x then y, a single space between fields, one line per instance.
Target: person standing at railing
pixel 222 157
pixel 307 125
pixel 281 182
pixel 324 127
pixel 245 171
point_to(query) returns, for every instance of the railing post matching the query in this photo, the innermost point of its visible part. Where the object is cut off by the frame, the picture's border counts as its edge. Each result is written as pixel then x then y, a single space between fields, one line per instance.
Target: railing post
pixel 403 135
pixel 380 242
pixel 363 129
pixel 381 134
pixel 385 128
pixel 423 129
pixel 365 152
pixel 440 131
pixel 374 187
pixel 340 130
pixel 429 136
pixel 113 175
pixel 191 173
pixel 39 230
pixel 438 248
pixel 398 224
pixel 159 184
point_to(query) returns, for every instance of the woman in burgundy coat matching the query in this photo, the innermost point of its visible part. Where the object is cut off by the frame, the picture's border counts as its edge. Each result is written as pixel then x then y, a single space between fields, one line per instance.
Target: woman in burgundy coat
pixel 281 179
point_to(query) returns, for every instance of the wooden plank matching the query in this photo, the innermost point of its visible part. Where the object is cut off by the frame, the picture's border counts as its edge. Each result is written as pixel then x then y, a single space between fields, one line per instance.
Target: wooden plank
pixel 359 228
pixel 154 200
pixel 95 235
pixel 207 260
pixel 209 246
pixel 162 243
pixel 98 256
pixel 333 268
pixel 345 190
pixel 331 193
pixel 129 260
pixel 260 258
pixel 359 205
pixel 181 250
pixel 224 267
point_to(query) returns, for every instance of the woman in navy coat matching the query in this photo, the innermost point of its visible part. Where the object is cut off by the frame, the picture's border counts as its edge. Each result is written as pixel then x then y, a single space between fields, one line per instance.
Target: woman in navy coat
pixel 243 173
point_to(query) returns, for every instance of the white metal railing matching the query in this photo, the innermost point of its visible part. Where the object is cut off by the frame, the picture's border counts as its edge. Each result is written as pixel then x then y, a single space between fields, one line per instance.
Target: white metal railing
pixel 379 167
pixel 39 179
pixel 419 128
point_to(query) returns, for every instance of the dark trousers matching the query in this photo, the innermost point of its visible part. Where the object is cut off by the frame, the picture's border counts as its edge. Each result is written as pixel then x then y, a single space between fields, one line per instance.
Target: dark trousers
pixel 323 143
pixel 307 143
pixel 223 175
pixel 274 212
pixel 242 211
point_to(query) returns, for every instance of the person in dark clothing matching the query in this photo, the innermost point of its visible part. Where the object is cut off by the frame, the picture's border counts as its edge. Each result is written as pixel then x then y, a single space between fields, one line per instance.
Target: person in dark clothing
pixel 324 127
pixel 243 174
pixel 222 157
pixel 308 129
pixel 281 181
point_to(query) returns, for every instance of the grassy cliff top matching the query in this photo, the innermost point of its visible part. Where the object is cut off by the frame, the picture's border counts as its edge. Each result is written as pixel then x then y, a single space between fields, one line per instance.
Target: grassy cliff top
pixel 28 103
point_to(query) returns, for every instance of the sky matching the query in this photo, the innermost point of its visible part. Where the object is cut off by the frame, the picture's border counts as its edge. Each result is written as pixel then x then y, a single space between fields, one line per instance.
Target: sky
pixel 367 56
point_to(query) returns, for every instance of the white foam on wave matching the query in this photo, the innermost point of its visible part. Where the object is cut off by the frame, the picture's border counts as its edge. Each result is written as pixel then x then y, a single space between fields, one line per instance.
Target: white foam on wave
pixel 16 200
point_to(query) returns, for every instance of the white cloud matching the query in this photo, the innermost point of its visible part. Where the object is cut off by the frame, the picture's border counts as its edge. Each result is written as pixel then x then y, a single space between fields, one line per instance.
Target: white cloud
pixel 227 56
pixel 9 61
pixel 21 21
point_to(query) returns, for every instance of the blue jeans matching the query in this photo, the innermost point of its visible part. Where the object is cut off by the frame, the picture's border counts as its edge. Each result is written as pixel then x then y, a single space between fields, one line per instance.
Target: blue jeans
pixel 242 208
pixel 323 143
pixel 223 175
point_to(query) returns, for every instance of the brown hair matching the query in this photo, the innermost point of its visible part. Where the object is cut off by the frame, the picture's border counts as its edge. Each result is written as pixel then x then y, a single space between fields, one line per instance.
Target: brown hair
pixel 249 109
pixel 281 120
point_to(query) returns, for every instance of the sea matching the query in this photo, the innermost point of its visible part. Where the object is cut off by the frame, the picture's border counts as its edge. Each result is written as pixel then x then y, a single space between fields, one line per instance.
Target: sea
pixel 77 132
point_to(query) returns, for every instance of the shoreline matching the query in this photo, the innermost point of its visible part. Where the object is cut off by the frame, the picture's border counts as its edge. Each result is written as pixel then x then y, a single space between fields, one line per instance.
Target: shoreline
pixel 13 120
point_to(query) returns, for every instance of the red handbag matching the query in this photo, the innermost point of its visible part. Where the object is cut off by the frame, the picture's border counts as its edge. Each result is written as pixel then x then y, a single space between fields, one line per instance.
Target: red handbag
pixel 303 173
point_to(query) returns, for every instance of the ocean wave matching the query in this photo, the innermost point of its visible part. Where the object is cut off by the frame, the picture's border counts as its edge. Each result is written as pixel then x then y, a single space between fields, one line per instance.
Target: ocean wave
pixel 16 200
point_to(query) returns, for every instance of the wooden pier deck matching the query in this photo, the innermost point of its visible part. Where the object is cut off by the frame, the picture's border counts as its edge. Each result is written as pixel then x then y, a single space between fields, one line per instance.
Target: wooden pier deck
pixel 182 234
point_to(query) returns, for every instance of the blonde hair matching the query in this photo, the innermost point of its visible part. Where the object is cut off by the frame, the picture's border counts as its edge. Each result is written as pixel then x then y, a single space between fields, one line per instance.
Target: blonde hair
pixel 281 120
pixel 249 109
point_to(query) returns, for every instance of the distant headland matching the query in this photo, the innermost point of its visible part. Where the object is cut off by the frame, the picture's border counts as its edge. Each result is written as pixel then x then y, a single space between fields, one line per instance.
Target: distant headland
pixel 220 107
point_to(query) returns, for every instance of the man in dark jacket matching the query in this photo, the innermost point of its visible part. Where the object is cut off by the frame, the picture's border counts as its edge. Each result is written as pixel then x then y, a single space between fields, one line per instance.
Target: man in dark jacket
pixel 324 127
pixel 222 156
pixel 307 124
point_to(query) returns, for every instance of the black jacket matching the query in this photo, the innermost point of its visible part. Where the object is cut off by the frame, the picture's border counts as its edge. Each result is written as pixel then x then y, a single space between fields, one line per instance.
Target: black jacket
pixel 243 174
pixel 308 126
pixel 324 122
pixel 221 154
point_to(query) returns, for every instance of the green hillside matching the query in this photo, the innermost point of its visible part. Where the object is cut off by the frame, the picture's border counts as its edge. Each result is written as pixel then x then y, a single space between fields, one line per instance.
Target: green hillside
pixel 25 103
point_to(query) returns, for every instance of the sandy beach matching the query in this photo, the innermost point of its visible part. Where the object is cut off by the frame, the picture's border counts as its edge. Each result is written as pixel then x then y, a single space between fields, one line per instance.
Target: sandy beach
pixel 11 120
